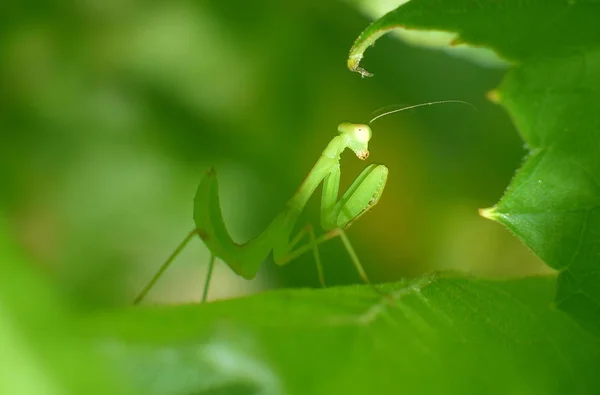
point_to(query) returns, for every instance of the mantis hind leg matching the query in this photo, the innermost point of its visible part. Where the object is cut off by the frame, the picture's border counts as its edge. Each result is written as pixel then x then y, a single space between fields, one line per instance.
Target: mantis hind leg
pixel 167 263
pixel 164 267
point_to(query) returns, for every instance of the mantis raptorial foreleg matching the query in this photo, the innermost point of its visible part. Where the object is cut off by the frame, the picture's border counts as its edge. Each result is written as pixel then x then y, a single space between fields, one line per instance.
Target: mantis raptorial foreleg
pixel 336 215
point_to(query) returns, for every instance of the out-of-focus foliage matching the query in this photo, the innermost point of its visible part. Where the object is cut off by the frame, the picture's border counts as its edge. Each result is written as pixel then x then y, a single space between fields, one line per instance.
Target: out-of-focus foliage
pixel 43 344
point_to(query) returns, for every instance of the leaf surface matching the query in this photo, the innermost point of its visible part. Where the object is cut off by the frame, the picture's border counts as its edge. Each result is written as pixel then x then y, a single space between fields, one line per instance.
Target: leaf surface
pixel 436 334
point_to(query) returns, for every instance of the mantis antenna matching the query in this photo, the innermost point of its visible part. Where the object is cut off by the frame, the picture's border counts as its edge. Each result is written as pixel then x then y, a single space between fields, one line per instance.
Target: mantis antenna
pixel 422 105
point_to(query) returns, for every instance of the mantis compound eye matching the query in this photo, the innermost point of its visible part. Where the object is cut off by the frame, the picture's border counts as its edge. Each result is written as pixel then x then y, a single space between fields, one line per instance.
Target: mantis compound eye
pixel 362 133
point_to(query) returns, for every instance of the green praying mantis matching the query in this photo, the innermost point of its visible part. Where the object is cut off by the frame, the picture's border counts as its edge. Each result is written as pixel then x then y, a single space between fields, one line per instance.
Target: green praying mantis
pixel 336 215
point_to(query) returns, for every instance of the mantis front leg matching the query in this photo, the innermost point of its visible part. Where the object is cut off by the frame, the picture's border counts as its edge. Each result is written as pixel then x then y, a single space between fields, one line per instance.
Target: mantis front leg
pixel 337 215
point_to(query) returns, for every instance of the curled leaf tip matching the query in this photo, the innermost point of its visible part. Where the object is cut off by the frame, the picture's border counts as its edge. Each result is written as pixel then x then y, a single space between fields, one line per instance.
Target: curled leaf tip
pixel 353 65
pixel 367 39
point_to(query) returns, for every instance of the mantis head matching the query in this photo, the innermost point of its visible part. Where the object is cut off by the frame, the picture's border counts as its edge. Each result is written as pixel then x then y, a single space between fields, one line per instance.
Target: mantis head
pixel 357 138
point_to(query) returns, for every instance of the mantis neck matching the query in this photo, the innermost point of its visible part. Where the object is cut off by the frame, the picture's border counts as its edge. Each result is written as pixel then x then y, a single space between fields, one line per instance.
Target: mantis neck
pixel 330 158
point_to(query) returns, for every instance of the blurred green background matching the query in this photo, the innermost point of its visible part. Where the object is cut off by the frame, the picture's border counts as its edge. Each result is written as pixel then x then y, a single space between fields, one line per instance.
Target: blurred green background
pixel 112 110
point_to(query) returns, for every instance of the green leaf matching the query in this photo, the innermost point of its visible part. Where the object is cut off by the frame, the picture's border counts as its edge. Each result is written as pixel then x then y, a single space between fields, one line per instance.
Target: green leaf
pixel 553 96
pixel 432 335
pixel 518 30
pixel 553 203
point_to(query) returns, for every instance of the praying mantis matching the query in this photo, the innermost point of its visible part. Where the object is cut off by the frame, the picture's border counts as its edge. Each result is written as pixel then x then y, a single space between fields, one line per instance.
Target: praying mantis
pixel 336 215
